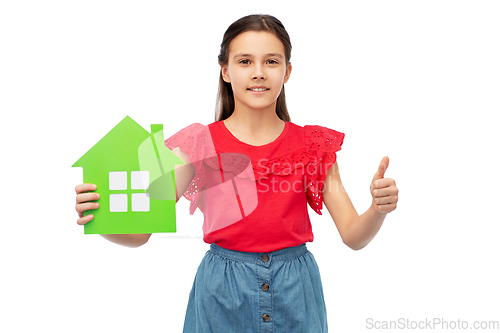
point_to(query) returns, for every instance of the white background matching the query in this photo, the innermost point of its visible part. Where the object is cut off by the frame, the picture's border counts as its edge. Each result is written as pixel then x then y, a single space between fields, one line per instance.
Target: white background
pixel 417 81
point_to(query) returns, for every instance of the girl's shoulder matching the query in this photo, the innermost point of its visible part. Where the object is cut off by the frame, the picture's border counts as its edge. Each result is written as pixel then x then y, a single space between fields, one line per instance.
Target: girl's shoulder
pixel 198 140
pixel 193 139
pixel 317 137
pixel 192 129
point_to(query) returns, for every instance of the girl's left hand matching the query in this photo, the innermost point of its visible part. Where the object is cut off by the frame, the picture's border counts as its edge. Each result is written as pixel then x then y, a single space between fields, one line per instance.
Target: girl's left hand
pixel 383 190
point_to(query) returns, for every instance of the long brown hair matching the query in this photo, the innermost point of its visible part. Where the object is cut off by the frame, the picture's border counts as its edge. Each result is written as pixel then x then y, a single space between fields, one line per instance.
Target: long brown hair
pixel 225 98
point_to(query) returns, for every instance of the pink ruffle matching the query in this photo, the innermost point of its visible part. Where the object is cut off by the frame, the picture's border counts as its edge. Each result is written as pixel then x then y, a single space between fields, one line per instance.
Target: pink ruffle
pixel 195 141
pixel 322 143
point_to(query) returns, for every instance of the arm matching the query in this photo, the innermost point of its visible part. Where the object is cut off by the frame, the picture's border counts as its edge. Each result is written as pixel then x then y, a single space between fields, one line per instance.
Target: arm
pixel 358 230
pixel 183 176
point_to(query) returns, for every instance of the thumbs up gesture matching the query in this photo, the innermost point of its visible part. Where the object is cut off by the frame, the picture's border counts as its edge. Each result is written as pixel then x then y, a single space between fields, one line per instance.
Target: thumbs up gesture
pixel 383 190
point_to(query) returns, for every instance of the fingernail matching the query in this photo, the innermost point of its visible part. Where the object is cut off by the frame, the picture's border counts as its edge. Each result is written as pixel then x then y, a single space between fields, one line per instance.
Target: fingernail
pixel 94 187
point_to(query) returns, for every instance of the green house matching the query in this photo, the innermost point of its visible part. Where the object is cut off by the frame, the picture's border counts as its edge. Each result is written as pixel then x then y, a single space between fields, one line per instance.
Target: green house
pixel 134 174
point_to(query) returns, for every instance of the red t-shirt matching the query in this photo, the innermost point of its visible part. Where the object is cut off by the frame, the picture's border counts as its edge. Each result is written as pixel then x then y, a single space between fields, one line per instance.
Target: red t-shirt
pixel 254 198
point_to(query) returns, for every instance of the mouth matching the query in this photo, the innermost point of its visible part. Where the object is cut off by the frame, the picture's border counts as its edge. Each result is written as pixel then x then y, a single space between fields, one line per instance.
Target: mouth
pixel 258 89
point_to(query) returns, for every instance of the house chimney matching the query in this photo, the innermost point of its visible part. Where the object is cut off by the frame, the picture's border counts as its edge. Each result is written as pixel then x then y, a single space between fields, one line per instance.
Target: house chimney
pixel 156 128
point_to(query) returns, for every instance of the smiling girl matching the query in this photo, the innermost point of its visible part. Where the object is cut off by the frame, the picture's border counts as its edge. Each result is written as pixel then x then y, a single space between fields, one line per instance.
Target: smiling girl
pixel 252 172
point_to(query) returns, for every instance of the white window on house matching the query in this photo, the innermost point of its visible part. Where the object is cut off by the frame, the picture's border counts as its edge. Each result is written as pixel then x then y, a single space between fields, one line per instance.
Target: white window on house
pixel 118 181
pixel 140 202
pixel 139 180
pixel 118 202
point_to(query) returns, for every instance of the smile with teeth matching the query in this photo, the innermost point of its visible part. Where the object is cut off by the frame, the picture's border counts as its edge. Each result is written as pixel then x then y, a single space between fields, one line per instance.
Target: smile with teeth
pixel 258 89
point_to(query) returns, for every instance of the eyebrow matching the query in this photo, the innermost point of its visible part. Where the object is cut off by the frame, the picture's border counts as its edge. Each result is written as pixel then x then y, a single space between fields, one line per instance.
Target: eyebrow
pixel 249 55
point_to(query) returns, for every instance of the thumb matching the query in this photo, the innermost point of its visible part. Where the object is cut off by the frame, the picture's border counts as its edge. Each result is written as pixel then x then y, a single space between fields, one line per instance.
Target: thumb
pixel 381 168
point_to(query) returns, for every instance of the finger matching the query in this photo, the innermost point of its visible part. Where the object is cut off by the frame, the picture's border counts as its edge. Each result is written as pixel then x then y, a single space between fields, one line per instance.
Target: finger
pixel 85 220
pixel 381 168
pixel 80 208
pixel 383 183
pixel 384 192
pixel 84 197
pixel 385 200
pixel 85 188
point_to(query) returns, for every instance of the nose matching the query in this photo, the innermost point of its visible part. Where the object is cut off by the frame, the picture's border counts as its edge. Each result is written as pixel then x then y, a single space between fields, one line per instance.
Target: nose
pixel 259 73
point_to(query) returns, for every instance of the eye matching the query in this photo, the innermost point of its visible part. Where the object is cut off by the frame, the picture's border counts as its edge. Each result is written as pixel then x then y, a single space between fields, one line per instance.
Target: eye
pixel 272 62
pixel 244 61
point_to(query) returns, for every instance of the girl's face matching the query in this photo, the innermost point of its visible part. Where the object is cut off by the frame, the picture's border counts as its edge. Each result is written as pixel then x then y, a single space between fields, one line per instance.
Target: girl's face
pixel 256 69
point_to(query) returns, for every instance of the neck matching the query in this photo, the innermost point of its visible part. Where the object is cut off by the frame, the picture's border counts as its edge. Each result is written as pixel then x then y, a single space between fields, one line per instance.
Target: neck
pixel 255 122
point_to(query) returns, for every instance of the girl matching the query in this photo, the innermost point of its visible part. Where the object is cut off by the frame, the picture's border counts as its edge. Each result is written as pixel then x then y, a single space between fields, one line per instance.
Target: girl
pixel 252 173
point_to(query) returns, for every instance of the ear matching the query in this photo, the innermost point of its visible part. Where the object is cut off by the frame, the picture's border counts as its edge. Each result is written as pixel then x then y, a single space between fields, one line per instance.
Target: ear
pixel 287 73
pixel 225 74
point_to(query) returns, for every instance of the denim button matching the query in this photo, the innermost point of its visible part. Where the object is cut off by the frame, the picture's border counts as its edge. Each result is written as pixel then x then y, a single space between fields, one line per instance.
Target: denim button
pixel 265 287
pixel 266 317
pixel 265 258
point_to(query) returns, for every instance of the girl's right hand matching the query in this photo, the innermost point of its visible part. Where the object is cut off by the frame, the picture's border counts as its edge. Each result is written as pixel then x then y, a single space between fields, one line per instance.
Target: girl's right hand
pixel 82 201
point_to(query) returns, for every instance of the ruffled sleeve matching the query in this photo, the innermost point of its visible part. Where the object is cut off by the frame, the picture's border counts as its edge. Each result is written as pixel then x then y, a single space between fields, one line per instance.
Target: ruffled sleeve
pixel 322 143
pixel 195 141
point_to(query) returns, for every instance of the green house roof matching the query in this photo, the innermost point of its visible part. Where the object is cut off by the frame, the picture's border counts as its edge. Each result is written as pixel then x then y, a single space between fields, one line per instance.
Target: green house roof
pixel 128 146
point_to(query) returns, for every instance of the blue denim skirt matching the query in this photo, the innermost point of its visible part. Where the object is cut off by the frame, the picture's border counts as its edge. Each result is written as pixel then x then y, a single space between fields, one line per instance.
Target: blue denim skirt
pixel 248 292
